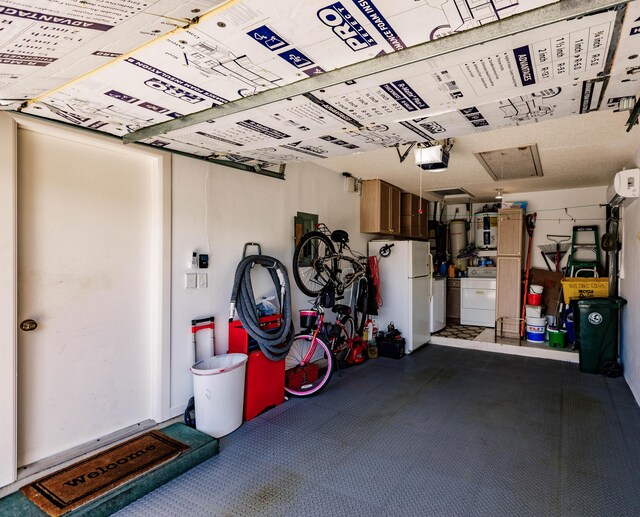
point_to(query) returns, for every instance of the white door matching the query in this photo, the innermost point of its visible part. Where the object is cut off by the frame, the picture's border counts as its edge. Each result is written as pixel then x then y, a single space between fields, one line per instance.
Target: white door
pixel 84 262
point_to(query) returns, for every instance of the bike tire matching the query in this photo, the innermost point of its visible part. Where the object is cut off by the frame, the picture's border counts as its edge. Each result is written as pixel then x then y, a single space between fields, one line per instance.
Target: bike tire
pixel 340 345
pixel 349 327
pixel 296 382
pixel 360 306
pixel 309 274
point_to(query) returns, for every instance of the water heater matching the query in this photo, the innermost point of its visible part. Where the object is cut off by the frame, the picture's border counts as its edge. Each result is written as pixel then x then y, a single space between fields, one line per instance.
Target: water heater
pixel 486 230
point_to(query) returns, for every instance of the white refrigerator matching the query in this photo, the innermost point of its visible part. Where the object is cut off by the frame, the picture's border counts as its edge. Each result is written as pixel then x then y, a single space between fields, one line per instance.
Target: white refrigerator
pixel 405 287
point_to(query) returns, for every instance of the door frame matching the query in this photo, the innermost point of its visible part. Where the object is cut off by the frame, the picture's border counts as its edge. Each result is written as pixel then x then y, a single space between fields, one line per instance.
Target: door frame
pixel 160 294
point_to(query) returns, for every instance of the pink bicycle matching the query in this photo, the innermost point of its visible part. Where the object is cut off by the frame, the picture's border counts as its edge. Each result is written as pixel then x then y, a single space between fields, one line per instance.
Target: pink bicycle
pixel 315 352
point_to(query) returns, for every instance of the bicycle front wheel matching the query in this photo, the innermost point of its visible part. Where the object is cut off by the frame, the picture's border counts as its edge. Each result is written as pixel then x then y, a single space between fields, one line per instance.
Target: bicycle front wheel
pixel 314 263
pixel 303 379
pixel 360 306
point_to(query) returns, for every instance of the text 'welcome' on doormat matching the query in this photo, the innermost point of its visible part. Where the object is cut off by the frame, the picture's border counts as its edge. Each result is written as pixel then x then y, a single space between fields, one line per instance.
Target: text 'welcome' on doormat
pixel 82 482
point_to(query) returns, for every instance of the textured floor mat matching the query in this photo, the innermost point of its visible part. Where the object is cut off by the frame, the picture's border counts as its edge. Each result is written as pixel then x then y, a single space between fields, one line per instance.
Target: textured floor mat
pixel 444 431
pixel 468 332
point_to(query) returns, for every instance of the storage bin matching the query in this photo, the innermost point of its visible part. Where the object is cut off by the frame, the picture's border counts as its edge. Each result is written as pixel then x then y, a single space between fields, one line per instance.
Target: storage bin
pixel 308 318
pixel 534 299
pixel 534 311
pixel 557 337
pixel 515 204
pixel 218 386
pixel 264 379
pixel 535 333
pixel 571 334
pixel 538 322
pixel 578 288
pixel 390 347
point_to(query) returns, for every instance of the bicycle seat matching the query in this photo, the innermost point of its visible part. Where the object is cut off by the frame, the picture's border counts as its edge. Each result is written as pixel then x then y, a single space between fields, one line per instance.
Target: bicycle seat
pixel 339 236
pixel 343 310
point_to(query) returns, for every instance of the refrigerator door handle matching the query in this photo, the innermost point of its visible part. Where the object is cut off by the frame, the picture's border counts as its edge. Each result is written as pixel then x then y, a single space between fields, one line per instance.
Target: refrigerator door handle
pixel 430 278
pixel 431 289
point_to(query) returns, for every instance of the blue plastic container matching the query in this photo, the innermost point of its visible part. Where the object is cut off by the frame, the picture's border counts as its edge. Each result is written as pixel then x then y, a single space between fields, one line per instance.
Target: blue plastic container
pixel 571 333
pixel 535 333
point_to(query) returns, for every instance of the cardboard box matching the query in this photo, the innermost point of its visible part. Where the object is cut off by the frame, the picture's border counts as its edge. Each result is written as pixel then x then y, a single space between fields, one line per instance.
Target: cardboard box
pixel 550 280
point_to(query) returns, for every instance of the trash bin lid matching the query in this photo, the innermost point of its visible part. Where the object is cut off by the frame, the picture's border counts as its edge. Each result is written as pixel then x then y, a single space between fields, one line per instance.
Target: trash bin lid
pixel 219 364
pixel 588 303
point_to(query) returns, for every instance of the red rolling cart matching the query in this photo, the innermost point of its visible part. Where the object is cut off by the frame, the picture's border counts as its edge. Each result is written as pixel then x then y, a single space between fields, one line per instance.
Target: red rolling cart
pixel 264 382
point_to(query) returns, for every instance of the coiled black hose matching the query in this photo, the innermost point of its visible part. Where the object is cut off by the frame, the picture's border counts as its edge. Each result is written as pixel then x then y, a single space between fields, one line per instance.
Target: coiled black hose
pixel 275 344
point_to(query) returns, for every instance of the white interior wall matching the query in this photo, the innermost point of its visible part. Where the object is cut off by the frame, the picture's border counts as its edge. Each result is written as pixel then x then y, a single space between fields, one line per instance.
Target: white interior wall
pixel 630 290
pixel 222 212
pixel 552 219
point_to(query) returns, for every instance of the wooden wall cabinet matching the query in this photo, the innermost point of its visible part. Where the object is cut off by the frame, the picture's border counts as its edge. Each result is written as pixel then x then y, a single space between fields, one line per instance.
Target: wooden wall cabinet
pixel 380 208
pixel 510 232
pixel 453 301
pixel 413 224
pixel 509 269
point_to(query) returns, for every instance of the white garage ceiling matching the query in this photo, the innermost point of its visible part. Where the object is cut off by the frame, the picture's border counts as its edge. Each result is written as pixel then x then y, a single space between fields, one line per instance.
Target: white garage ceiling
pixel 266 83
pixel 576 151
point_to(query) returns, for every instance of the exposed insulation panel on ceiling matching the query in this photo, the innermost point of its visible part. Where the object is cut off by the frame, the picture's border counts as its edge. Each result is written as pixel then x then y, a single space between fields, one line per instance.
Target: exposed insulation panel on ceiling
pixel 120 66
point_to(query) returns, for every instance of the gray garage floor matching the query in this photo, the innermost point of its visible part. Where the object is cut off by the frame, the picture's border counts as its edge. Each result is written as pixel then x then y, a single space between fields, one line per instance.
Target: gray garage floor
pixel 445 431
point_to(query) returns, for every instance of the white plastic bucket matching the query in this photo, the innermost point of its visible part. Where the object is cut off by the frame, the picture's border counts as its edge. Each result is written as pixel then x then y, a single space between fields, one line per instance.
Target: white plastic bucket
pixel 538 322
pixel 533 311
pixel 218 388
pixel 535 333
pixel 536 289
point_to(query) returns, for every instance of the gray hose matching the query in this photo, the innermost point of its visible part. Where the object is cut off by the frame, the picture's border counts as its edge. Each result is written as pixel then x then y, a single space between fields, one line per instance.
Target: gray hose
pixel 275 343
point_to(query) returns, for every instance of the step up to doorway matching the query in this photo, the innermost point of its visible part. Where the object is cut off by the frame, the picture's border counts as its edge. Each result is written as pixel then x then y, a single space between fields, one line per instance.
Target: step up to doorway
pixel 110 480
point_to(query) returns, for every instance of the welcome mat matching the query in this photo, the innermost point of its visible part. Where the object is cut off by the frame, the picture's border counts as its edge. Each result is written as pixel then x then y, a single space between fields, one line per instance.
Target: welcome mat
pixel 82 482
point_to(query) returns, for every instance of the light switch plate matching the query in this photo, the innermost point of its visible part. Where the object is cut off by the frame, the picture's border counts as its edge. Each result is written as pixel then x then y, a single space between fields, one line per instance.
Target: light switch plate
pixel 191 280
pixel 203 280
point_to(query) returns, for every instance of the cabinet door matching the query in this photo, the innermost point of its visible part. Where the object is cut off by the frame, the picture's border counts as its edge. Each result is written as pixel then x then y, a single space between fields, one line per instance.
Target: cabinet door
pixel 370 207
pixel 380 208
pixel 453 303
pixel 408 215
pixel 385 207
pixel 508 295
pixel 510 228
pixel 395 195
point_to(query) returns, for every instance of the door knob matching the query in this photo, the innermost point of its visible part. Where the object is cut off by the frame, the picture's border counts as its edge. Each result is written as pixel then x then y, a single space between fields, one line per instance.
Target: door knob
pixel 28 325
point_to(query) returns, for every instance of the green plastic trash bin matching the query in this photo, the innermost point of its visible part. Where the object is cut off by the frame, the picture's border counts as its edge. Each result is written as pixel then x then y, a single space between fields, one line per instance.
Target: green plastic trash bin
pixel 596 331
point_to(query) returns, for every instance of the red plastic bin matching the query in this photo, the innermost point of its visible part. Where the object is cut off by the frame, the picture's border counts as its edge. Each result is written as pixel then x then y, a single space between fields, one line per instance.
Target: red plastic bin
pixel 534 299
pixel 264 381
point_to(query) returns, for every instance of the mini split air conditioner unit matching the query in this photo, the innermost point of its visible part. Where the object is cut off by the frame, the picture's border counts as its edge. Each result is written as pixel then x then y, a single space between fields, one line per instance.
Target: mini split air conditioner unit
pixel 624 188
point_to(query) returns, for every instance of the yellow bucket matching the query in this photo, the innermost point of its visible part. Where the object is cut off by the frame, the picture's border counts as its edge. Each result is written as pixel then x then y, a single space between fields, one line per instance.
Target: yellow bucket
pixel 573 288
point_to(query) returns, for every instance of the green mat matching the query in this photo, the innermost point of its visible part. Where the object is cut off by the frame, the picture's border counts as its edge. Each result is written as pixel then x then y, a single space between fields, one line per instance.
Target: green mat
pixel 202 447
